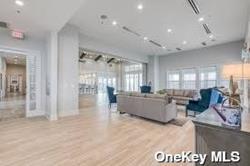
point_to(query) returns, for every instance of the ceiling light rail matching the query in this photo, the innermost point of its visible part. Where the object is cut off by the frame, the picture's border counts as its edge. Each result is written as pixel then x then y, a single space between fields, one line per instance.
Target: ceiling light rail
pixel 129 30
pixel 194 6
pixel 205 26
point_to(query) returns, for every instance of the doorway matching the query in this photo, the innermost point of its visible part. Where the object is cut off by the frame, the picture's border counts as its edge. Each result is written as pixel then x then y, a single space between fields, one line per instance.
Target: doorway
pixel 12 86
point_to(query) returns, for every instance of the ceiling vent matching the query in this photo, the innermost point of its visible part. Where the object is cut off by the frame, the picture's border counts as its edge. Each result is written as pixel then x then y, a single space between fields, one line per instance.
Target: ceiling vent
pixel 208 31
pixel 83 55
pixel 130 31
pixel 178 49
pixel 82 61
pixel 3 24
pixel 98 57
pixel 194 6
pixel 204 43
pixel 155 43
pixel 103 18
pixel 110 60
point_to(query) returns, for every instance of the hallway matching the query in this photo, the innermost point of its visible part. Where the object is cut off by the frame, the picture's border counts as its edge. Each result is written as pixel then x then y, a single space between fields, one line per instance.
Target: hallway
pixel 12 106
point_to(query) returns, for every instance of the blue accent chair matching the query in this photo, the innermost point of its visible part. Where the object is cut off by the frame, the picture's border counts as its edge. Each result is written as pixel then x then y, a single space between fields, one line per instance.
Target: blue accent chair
pixel 198 106
pixel 145 89
pixel 216 97
pixel 111 95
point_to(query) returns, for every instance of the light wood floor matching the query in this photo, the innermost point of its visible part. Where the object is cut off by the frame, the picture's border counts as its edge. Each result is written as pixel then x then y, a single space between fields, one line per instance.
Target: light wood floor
pixel 95 137
pixel 12 106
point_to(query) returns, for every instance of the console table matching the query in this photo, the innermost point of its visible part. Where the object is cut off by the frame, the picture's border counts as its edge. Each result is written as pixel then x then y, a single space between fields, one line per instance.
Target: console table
pixel 212 135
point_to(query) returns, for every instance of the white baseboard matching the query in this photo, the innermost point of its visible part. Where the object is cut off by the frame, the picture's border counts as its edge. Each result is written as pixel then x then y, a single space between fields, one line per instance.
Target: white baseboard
pixel 35 113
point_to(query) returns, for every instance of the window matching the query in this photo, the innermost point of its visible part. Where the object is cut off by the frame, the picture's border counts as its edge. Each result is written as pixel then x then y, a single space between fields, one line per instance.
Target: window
pixel 106 79
pixel 173 80
pixel 133 77
pixel 189 79
pixel 208 77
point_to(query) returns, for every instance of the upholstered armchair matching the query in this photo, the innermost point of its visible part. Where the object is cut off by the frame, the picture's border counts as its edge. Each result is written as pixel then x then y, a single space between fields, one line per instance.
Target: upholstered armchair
pixel 111 95
pixel 145 89
pixel 198 106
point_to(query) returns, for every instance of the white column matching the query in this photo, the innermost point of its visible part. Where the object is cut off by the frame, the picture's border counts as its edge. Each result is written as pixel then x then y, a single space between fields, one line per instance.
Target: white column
pixel 150 71
pixel 245 93
pixel 68 80
pixel 156 73
pixel 51 84
pixel 120 76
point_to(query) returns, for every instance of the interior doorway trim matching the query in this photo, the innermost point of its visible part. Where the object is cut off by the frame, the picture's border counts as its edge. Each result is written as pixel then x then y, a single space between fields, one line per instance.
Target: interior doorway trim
pixel 38 111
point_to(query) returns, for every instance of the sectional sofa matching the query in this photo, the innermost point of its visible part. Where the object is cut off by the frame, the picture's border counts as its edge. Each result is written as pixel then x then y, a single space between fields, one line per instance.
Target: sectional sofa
pixel 181 97
pixel 151 106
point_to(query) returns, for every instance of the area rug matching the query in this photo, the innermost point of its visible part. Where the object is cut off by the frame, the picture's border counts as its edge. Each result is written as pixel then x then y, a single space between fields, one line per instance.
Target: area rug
pixel 179 121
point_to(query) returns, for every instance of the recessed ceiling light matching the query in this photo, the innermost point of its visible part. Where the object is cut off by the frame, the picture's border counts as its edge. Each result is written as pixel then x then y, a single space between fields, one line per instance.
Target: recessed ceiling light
pixel 201 19
pixel 114 23
pixel 140 7
pixel 19 2
pixel 184 42
pixel 145 38
pixel 170 30
pixel 211 36
pixel 164 47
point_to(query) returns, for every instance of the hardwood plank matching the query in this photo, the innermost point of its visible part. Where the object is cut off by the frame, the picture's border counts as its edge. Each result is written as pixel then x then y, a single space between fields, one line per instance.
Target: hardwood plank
pixel 95 137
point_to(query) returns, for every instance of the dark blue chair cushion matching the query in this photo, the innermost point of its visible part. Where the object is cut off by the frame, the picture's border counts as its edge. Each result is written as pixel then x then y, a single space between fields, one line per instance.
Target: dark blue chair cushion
pixel 205 97
pixel 111 96
pixel 145 89
pixel 195 107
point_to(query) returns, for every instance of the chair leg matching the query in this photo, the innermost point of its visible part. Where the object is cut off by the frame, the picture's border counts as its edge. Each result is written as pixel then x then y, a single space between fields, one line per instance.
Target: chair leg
pixel 109 105
pixel 186 112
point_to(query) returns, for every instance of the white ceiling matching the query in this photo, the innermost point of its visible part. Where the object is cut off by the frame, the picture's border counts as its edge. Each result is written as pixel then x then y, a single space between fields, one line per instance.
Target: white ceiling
pixel 37 17
pixel 14 59
pixel 227 19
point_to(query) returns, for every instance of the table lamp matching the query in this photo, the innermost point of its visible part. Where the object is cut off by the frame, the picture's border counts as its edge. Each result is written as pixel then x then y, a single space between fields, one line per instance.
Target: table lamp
pixel 235 72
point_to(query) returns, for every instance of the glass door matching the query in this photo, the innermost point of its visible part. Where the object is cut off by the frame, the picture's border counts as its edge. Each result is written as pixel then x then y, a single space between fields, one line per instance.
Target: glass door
pixel 33 85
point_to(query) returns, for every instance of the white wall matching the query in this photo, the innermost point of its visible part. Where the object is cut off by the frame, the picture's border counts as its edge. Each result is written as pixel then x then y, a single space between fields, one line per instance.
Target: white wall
pixel 68 80
pixel 28 44
pixel 220 54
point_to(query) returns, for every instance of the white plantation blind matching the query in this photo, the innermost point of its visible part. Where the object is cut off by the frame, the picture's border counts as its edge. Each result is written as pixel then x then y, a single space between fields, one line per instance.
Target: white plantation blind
pixel 189 79
pixel 173 80
pixel 32 82
pixel 208 77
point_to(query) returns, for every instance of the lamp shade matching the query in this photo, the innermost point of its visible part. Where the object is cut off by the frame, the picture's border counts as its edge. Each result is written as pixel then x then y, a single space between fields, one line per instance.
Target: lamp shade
pixel 238 71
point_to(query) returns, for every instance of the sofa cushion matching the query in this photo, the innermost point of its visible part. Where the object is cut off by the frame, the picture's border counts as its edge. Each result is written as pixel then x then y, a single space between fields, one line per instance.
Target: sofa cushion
pixel 157 96
pixel 189 93
pixel 182 102
pixel 181 98
pixel 170 92
pixel 178 92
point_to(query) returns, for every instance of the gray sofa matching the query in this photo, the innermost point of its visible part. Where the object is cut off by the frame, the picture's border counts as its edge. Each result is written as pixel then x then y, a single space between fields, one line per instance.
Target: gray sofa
pixel 181 97
pixel 151 106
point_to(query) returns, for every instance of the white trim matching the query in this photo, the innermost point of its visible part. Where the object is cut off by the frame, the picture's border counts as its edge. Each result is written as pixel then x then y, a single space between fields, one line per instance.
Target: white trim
pixel 35 113
pixel 28 53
